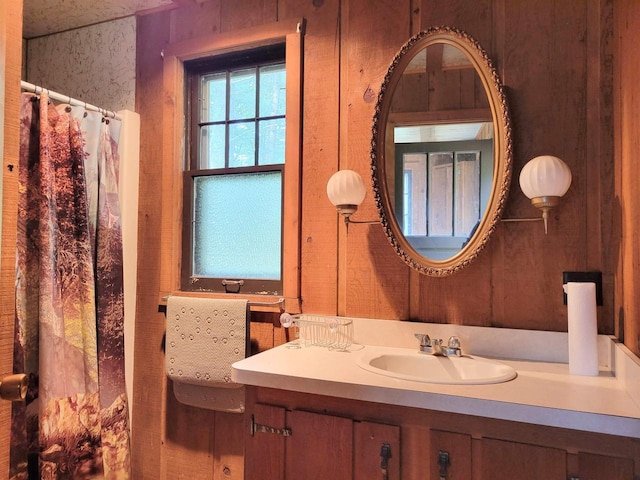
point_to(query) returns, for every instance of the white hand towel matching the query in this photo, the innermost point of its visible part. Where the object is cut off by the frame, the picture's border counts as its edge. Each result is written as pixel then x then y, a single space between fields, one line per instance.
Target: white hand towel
pixel 205 336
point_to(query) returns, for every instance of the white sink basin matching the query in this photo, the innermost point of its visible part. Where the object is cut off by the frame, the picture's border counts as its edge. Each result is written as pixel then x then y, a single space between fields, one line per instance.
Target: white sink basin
pixel 408 364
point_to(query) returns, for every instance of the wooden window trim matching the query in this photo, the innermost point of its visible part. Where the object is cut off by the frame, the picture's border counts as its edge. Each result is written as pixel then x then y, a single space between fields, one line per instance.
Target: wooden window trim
pixel 291 32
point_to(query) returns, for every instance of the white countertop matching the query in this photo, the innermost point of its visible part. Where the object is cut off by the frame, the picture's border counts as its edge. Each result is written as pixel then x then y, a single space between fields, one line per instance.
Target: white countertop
pixel 544 392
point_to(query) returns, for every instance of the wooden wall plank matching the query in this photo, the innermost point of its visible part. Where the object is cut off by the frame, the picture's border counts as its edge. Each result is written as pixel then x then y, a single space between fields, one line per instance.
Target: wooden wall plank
pixel 553 121
pixel 228 447
pixel 10 69
pixel 189 440
pixel 627 201
pixel 149 374
pixel 372 279
pixel 194 19
pixel 234 16
pixel 319 150
pixel 599 144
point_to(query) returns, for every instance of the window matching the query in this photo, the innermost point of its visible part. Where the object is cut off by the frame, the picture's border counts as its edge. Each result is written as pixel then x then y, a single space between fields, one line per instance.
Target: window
pixel 444 190
pixel 234 180
pixel 187 177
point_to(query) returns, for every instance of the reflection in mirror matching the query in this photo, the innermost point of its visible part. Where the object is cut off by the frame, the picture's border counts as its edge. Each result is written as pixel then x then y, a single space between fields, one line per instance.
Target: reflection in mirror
pixel 443 181
pixel 441 151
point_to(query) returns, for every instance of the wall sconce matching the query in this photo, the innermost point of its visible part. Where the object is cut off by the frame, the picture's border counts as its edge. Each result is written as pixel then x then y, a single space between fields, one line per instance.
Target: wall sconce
pixel 346 191
pixel 544 180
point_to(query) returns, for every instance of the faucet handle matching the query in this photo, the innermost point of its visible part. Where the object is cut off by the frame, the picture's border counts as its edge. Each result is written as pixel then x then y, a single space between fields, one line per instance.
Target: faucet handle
pixel 426 344
pixel 454 346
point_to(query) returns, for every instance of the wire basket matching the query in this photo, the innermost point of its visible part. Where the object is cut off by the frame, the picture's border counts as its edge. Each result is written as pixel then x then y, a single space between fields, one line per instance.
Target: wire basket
pixel 335 333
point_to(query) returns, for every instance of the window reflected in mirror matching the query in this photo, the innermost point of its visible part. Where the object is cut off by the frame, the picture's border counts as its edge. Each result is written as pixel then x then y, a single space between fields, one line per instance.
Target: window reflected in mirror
pixel 446 174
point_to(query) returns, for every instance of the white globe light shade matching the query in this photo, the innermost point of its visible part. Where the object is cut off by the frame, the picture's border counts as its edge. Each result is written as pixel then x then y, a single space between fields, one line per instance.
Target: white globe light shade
pixel 545 176
pixel 345 187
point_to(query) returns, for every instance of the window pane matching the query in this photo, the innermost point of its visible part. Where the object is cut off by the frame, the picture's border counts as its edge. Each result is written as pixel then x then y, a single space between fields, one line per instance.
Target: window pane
pixel 272 141
pixel 242 144
pixel 440 194
pixel 414 199
pixel 214 88
pixel 273 90
pixel 237 231
pixel 211 147
pixel 467 192
pixel 242 95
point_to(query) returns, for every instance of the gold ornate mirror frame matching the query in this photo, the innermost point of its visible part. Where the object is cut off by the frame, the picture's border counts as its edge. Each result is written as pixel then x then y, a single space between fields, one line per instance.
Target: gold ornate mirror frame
pixel 502 151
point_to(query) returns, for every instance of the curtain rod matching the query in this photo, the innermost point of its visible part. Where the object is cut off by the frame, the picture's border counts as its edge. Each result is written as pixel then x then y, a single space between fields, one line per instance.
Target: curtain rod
pixel 30 87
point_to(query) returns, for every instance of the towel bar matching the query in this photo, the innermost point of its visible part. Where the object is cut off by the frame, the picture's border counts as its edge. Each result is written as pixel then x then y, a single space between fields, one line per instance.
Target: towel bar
pixel 276 303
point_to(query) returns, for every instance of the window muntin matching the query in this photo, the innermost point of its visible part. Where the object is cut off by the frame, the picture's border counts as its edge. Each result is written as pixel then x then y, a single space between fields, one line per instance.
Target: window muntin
pixel 234 186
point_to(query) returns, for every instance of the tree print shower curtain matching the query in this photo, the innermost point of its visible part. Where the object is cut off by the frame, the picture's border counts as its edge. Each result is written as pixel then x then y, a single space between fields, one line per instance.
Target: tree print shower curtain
pixel 69 298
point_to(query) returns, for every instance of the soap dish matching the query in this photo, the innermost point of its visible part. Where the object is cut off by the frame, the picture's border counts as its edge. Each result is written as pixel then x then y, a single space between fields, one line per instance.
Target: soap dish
pixel 335 333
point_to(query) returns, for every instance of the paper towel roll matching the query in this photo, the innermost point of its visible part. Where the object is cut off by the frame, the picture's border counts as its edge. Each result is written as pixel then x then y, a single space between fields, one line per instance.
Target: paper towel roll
pixel 583 328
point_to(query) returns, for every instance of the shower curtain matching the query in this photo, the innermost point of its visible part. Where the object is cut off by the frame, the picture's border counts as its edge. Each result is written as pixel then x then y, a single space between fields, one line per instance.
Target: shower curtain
pixel 69 298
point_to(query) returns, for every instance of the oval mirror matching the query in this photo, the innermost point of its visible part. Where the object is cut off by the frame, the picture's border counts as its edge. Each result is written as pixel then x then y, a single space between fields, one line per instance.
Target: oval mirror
pixel 441 151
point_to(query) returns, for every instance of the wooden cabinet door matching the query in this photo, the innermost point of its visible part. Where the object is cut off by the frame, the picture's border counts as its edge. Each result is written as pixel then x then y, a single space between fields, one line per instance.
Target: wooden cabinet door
pixel 369 440
pixel 264 451
pixel 601 467
pixel 456 447
pixel 320 447
pixel 503 460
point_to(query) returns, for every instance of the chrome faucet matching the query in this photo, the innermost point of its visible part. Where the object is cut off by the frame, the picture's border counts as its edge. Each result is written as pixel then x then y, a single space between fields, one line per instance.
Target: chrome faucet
pixel 436 347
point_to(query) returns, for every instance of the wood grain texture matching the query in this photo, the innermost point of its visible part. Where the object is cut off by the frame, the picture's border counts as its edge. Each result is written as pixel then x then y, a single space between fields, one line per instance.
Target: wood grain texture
pixel 265 451
pixel 372 279
pixel 188 444
pixel 600 467
pixel 320 115
pixel 368 440
pixel 235 16
pixel 627 202
pixel 419 442
pixel 458 448
pixel 10 61
pixel 502 460
pixel 560 105
pixel 149 390
pixel 554 120
pixel 228 448
pixel 320 447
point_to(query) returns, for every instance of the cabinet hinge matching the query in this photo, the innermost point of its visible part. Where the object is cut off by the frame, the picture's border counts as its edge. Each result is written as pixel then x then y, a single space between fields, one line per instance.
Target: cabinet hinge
pixel 257 427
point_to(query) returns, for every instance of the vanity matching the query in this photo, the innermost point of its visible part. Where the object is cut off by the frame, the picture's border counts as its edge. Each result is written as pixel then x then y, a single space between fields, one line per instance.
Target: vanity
pixel 315 412
pixel 376 407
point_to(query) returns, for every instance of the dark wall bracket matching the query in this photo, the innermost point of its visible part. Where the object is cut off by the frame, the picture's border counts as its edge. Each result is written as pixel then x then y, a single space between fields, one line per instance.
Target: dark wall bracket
pixel 586 277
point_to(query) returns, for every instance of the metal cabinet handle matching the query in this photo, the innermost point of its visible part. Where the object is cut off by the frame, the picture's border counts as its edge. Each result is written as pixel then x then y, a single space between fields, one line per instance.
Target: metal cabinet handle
pixel 385 453
pixel 444 462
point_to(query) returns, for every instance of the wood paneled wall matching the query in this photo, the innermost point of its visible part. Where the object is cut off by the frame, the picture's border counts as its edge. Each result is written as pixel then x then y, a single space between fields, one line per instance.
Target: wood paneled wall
pixel 626 204
pixel 10 62
pixel 555 61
